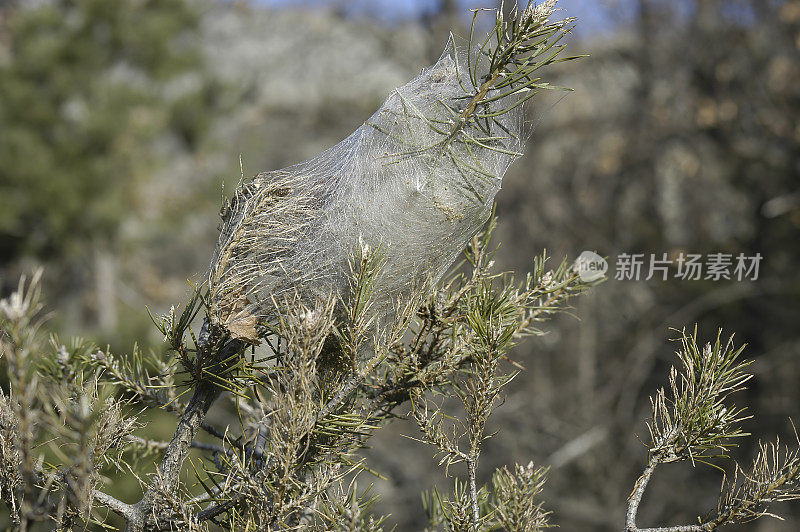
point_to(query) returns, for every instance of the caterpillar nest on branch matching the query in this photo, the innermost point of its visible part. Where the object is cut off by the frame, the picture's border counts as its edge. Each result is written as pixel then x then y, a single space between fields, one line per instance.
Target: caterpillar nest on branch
pixel 416 181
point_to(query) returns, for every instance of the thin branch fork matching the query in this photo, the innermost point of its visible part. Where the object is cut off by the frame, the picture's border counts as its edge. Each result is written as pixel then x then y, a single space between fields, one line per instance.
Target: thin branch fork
pixel 120 508
pixel 636 498
pixel 168 471
pixel 166 477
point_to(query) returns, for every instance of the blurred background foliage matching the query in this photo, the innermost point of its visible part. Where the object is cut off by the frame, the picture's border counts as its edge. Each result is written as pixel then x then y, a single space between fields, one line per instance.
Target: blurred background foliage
pixel 121 121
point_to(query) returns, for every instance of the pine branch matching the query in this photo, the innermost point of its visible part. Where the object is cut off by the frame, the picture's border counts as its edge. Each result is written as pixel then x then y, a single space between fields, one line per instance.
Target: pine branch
pixel 694 422
pixel 206 392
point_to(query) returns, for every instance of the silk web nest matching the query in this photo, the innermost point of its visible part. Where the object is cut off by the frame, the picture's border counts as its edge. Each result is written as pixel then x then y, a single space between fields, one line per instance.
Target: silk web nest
pixel 416 181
